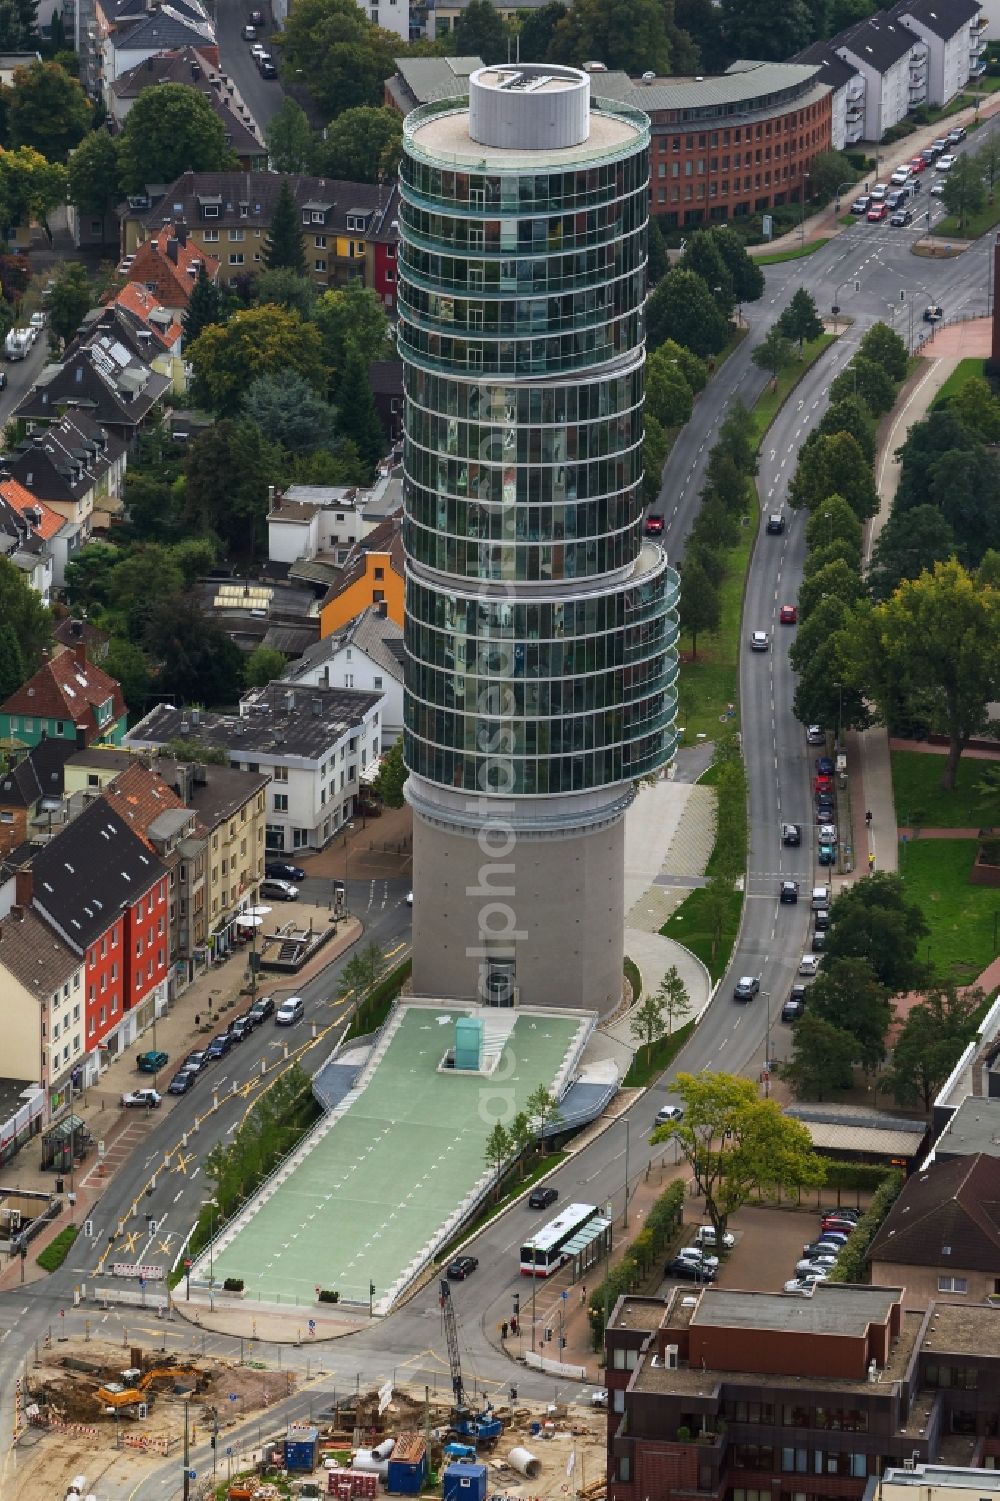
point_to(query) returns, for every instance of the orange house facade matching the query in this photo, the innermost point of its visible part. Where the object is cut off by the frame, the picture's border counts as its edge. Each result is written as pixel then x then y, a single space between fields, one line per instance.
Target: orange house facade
pixel 373 577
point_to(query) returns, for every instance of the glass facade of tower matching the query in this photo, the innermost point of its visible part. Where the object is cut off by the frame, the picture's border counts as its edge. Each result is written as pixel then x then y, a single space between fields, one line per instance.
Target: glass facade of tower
pixel 539 625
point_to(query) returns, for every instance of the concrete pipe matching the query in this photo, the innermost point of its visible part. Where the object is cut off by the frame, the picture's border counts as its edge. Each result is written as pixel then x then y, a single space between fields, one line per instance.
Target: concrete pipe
pixel 525 1462
pixel 384 1449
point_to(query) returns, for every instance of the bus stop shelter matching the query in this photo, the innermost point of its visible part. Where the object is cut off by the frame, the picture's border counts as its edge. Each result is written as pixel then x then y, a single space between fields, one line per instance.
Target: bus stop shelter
pixel 66 1140
pixel 588 1246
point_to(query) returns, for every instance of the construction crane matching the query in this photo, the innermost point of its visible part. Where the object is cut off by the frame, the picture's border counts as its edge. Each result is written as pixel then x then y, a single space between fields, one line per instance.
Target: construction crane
pixel 481 1427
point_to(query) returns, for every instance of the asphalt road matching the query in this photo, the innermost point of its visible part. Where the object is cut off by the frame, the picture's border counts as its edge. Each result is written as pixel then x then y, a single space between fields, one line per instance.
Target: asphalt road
pixel 262 96
pixel 21 376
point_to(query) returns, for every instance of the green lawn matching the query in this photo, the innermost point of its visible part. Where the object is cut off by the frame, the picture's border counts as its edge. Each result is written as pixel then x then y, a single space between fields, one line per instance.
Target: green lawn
pixel 795 254
pixel 921 801
pixel 775 395
pixel 977 224
pixel 709 683
pixel 687 925
pixel 643 1071
pixel 961 917
pixel 963 372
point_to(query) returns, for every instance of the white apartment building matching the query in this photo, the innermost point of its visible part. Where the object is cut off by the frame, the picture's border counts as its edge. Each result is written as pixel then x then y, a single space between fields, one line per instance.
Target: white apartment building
pixel 366 654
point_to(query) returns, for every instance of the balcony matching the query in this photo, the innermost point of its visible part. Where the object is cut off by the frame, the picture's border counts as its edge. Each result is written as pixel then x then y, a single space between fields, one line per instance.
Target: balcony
pixel 856 91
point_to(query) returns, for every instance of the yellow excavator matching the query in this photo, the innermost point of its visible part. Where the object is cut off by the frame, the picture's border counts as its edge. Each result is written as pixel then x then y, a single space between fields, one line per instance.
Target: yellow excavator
pixel 135 1388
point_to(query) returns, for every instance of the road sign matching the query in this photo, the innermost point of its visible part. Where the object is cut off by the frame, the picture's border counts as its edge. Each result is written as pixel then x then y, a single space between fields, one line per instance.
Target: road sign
pixel 142 1282
pixel 229 1448
pixel 312 1323
pixel 234 1396
pixel 137 1269
pixel 564 1295
pixel 100 1151
pixel 187 1263
pixel 192 1474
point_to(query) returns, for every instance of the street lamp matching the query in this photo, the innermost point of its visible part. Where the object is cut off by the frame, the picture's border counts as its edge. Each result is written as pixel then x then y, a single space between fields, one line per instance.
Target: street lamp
pixel 253 918
pixel 802 208
pixel 767 1044
pixel 211 1205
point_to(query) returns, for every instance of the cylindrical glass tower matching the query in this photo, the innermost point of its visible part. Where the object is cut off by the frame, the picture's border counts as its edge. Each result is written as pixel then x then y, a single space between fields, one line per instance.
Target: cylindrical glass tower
pixel 540 628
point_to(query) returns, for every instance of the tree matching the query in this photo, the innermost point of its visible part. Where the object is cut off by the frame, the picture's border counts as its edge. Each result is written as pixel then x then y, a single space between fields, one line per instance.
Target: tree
pixel 89 577
pixel 256 341
pixel 169 130
pixel 127 664
pixel 800 321
pixel 365 144
pixel 285 288
pixel 230 468
pixel 717 905
pixel 289 138
pixel 498 1150
pixel 694 370
pixel 356 410
pixel 204 307
pixel 626 34
pixel 850 415
pixel 769 29
pixel 668 396
pixel 746 276
pixel 264 664
pixel 343 58
pixel 735 1144
pixel 883 346
pixel 714 526
pixel 964 194
pixel 909 543
pixel 834 466
pixel 351 316
pixel 978 408
pixel 288 411
pixel 774 354
pixel 48 110
pixel 657 260
pixel 702 21
pixel 646 1022
pixel 655 447
pixel 832 552
pixel 390 778
pixel 700 605
pixel 197 662
pixel 673 997
pixel 480 32
pixel 69 301
pixel 92 174
pixel 22 610
pixel 29 186
pixel 12 669
pixel 153 507
pixel 848 994
pixel 833 521
pixel 682 308
pixel 541 1108
pixel 872 922
pixel 932 1039
pixel 988 160
pixel 936 642
pixel 828 171
pixel 536 29
pixel 868 380
pixel 824 694
pixel 142 578
pixel 703 256
pixel 836 581
pixel 737 440
pixel 285 245
pixel 822 1058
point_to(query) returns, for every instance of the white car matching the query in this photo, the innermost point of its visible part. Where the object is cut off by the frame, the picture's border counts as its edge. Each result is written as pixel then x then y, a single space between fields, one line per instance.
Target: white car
pixel 759 641
pixel 289 1012
pixel 705 1236
pixel 697 1255
pixel 37 322
pixel 667 1114
pixel 937 189
pixel 803 1287
pixel 145 1099
pixel 258 50
pixel 827 833
pixel 900 176
pixel 814 1264
pixel 945 163
pixel 809 964
pixel 599 1397
pixel 409 898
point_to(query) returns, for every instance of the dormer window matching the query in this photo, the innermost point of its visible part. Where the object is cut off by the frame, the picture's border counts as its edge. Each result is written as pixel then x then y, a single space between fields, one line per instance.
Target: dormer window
pixel 244 210
pixel 318 217
pixel 211 210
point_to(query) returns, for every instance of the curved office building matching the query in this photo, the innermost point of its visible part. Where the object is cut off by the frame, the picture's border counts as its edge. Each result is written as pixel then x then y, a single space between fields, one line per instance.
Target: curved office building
pixel 540 627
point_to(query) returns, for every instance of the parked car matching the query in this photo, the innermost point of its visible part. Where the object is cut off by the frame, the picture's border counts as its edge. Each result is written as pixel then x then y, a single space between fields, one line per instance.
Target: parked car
pixel 146 1099
pixel 828 833
pixel 689 1271
pixel 699 1257
pixel 815 735
pixel 667 1114
pixel 824 766
pixel 820 897
pixel 220 1046
pixel 826 854
pixel 792 1010
pixel 599 1397
pixel 195 1062
pixel 788 615
pixel 746 988
pixel 280 870
pixel 809 964
pixel 240 1027
pixel 802 1287
pixel 818 943
pixel 654 525
pixel 705 1236
pixel 279 891
pixel 462 1267
pixel 834 1222
pixel 901 218
pixel 151 1062
pixel 821 917
pixel 791 834
pixel 815 1264
pixel 266 66
pixel 261 1009
pixel 775 524
pixel 759 641
pixel 256 18
pixel 789 892
pixel 289 1012
pixel 821 1248
pixel 838 1212
pixel 541 1198
pixel 182 1081
pixel 877 212
pixel 946 162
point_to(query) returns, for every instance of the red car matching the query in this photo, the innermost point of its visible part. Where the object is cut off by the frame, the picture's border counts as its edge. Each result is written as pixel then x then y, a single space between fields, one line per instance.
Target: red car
pixel 877 213
pixel 788 615
pixel 654 526
pixel 918 164
pixel 823 784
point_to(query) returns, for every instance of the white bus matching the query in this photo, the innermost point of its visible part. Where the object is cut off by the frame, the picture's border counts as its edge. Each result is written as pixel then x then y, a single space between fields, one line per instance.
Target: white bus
pixel 547 1251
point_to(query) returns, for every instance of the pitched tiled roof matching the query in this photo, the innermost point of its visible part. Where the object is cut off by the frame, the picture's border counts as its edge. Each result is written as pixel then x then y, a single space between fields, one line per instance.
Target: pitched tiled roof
pixel 387 539
pixel 247 200
pixel 34 954
pixel 65 688
pixel 139 796
pixel 944 17
pixel 168 265
pixel 41 518
pixel 165 27
pixel 835 70
pixel 113 386
pixel 64 461
pixel 144 305
pixel 90 872
pixel 19 787
pixel 195 67
pixel 946 1216
pixel 878 41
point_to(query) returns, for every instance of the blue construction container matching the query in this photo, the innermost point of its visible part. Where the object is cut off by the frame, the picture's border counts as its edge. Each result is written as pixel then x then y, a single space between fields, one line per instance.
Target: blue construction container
pixel 408 1466
pixel 465 1482
pixel 301 1449
pixel 469 1043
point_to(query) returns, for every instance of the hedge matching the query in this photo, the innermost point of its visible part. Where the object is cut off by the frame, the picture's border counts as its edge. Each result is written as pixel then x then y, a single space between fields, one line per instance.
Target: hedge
pixel 55 1253
pixel 856 1175
pixel 661 1224
pixel 852 1263
pixel 370 1013
pixel 634 978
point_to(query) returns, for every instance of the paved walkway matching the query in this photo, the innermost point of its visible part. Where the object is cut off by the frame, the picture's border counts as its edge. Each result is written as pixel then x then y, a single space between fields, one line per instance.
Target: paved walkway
pixel 928 748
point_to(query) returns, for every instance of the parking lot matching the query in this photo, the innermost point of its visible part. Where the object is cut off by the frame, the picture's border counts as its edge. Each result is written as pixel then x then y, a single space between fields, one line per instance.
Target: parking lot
pixel 768 1244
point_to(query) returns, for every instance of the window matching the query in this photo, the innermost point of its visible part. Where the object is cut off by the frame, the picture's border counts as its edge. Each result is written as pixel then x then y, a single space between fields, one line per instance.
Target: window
pixel 953 1284
pixel 210 236
pixel 319 242
pixel 237 236
pixel 281 802
pixel 280 774
pixel 210 210
pixel 236 259
pixel 624 1467
pixel 319 265
pixel 376 682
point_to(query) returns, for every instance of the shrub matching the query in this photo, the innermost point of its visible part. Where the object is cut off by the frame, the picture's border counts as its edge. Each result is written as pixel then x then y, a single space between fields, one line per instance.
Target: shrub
pixel 661 1224
pixel 852 1263
pixel 233 1285
pixel 683 1434
pixel 328 1296
pixel 55 1253
pixel 373 1010
pixel 634 979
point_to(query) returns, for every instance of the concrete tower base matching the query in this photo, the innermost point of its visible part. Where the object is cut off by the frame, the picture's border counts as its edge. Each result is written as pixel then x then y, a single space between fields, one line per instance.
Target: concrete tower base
pixel 541 897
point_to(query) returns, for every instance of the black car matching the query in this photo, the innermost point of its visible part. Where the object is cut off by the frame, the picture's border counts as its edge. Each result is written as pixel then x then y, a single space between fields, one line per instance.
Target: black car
pixel 261 1009
pixel 934 313
pixel 266 67
pixel 3 380
pixel 181 1082
pixel 822 919
pixel 462 1267
pixel 901 218
pixel 789 891
pixel 256 18
pixel 541 1198
pixel 688 1270
pixel 277 870
pixel 791 834
pixel 818 942
pixel 775 524
pixel 241 1027
pixel 825 810
pixel 792 1010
